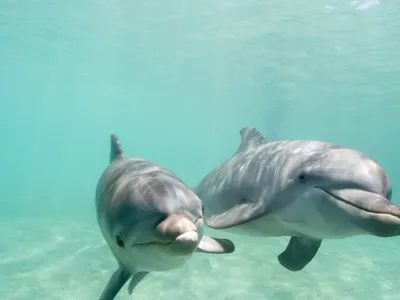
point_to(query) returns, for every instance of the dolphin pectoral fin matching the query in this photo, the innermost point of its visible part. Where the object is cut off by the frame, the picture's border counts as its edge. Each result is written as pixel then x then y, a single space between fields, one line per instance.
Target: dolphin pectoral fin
pixel 237 215
pixel 299 252
pixel 214 245
pixel 115 283
pixel 135 281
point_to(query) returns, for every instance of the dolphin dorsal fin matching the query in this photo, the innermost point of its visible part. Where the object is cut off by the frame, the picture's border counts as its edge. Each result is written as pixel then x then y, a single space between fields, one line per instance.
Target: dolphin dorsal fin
pixel 251 137
pixel 116 151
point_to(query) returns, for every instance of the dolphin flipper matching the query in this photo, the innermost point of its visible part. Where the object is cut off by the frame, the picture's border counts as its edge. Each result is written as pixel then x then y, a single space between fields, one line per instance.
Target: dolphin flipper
pixel 135 281
pixel 299 252
pixel 115 283
pixel 237 215
pixel 214 245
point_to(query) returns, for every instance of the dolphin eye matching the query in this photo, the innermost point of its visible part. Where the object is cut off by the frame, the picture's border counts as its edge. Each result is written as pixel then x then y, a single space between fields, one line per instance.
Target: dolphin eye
pixel 119 241
pixel 202 208
pixel 302 177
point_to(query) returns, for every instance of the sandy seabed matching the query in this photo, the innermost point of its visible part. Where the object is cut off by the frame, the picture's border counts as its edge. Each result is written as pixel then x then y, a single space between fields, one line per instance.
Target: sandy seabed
pixel 60 259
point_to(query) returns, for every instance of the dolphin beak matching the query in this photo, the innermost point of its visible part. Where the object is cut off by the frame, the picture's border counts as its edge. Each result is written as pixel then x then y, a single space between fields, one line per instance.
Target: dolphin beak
pixel 179 233
pixel 374 208
pixel 185 243
pixel 364 200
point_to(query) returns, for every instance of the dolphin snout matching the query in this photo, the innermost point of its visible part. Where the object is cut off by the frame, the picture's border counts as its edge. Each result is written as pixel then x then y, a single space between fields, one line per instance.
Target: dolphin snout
pixel 378 215
pixel 350 169
pixel 180 232
pixel 174 226
pixel 185 243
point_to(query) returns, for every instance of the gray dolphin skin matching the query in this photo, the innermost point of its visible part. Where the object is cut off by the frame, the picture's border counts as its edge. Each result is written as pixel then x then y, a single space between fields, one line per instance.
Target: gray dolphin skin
pixel 149 218
pixel 308 190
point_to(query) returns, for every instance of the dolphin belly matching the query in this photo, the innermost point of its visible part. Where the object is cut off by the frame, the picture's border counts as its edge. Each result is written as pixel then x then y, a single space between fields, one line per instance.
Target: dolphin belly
pixel 318 216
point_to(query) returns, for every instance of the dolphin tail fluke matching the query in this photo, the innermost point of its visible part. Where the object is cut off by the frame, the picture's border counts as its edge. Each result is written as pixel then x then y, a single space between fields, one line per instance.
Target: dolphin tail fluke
pixel 299 252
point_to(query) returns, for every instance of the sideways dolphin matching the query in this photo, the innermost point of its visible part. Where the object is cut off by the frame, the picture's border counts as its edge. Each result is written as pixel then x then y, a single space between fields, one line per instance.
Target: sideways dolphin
pixel 308 190
pixel 149 218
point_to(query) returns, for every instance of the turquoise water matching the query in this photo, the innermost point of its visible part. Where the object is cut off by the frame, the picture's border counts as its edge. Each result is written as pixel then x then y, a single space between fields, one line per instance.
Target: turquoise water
pixel 177 80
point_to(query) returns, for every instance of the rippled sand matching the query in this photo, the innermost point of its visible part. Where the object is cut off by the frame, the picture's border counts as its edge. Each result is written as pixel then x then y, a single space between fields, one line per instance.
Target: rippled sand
pixel 54 259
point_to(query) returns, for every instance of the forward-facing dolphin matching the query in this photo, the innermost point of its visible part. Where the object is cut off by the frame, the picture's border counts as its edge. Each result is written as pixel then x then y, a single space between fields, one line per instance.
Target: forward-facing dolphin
pixel 308 190
pixel 149 218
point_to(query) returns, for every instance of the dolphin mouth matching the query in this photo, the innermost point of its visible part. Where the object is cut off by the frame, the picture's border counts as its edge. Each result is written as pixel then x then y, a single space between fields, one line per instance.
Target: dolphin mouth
pixel 188 239
pixel 155 242
pixel 185 243
pixel 366 201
